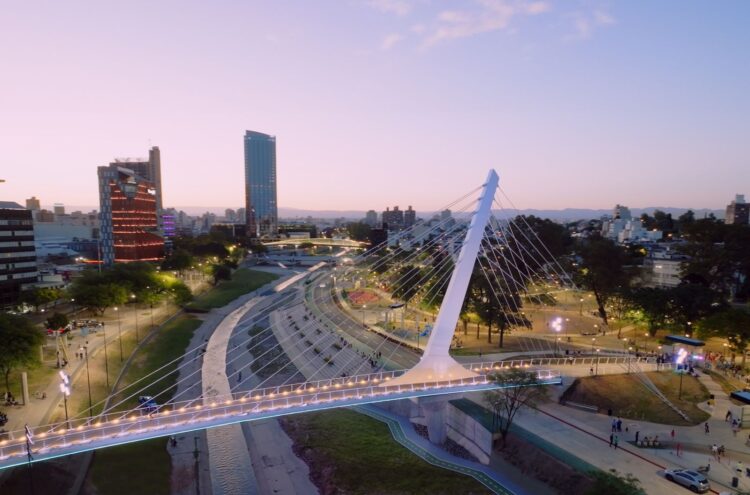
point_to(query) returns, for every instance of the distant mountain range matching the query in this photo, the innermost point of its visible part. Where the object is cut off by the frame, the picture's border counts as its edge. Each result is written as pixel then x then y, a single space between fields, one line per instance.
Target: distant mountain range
pixel 567 214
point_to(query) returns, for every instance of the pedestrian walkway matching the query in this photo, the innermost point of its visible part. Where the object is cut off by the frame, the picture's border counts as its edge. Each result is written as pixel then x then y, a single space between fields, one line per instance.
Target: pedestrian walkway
pixel 575 429
pixel 40 411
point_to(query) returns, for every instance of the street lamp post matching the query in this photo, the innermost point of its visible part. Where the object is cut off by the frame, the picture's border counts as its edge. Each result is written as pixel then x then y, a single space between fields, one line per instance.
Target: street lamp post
pixel 106 360
pixel 119 330
pixel 629 358
pixel 88 376
pixel 135 314
pixel 679 394
pixel 557 327
pixel 364 306
pixel 119 336
pixel 65 389
pixel 580 311
pixel 597 361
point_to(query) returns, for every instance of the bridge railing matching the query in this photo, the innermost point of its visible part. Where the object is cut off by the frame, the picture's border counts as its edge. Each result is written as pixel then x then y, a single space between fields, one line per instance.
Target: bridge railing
pixel 488 366
pixel 82 431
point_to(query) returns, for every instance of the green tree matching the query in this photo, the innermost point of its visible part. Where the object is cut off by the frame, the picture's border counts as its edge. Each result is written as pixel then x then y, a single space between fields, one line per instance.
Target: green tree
pixel 406 282
pixel 732 324
pixel 96 292
pixel 612 483
pixel 685 221
pixel 40 296
pixel 664 222
pixel 180 260
pixel 689 303
pixel 653 306
pixel 57 321
pixel 180 293
pixel 19 344
pixel 518 388
pixel 603 271
pixel 359 231
pixel 221 272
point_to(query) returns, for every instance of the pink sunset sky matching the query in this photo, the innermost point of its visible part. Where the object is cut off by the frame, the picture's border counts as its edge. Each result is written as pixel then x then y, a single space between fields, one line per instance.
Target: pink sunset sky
pixel 579 104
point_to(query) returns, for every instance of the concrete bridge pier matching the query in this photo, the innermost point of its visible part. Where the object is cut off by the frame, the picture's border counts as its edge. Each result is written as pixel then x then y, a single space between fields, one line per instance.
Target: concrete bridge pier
pixel 435 413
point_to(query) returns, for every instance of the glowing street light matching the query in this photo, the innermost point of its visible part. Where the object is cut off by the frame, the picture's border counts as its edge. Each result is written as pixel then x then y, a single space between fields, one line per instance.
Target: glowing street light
pixel 557 325
pixel 65 389
pixel 135 313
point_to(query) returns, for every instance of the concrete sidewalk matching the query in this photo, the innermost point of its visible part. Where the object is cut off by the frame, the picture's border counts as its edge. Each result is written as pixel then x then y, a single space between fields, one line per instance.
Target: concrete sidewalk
pixel 40 411
pixel 586 435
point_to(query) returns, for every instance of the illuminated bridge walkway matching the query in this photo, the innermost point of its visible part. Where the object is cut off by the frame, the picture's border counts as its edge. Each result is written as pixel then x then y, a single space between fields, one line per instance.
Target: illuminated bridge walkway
pixel 83 434
pixel 436 372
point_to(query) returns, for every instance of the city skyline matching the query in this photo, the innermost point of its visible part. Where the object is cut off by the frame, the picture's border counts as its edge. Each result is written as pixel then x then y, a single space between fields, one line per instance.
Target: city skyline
pixel 583 104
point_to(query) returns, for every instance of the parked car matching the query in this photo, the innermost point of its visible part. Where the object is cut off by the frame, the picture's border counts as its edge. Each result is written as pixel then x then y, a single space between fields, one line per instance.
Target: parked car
pixel 689 479
pixel 148 404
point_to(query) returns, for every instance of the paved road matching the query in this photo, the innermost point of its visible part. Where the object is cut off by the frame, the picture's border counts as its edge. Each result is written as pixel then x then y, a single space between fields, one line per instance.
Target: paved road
pixel 321 302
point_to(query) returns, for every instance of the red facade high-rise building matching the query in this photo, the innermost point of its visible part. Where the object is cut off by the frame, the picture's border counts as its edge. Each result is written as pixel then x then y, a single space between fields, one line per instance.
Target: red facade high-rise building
pixel 129 226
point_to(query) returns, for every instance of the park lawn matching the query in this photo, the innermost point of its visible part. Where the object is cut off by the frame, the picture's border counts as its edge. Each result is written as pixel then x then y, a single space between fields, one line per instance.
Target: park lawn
pixel 352 453
pixel 629 398
pixel 168 344
pixel 145 467
pixel 243 281
pixel 140 467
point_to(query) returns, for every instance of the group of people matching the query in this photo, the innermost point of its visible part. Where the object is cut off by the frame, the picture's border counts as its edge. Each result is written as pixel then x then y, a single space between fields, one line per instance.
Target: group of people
pixel 9 400
pixel 735 422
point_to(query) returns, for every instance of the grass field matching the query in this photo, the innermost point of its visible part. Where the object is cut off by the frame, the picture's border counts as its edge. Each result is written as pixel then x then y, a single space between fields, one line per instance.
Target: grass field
pixel 629 398
pixel 144 467
pixel 351 453
pixel 243 281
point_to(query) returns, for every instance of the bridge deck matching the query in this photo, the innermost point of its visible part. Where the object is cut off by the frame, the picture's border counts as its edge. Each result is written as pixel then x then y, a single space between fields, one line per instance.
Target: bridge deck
pixel 83 434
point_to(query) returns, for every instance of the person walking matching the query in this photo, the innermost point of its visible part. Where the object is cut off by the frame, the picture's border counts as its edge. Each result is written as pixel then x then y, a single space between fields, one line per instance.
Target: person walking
pixel 705 427
pixel 672 434
pixel 614 425
pixel 616 441
pixel 619 425
pixel 637 434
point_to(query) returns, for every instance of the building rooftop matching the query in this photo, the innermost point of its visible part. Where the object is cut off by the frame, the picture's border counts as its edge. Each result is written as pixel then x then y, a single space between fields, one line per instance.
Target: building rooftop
pixel 10 205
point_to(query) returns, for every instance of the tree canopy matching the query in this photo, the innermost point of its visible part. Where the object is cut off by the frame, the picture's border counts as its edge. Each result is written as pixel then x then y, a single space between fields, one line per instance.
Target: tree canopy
pixel 519 388
pixel 603 271
pixel 732 324
pixel 19 344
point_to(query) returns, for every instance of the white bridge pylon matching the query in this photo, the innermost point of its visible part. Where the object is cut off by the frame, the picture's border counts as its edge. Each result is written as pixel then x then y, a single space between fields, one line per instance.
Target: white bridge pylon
pixel 436 363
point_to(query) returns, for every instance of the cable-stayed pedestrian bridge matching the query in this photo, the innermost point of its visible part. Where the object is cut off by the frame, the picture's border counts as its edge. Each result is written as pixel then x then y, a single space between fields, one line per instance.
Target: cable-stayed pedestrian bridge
pixel 83 434
pixel 500 260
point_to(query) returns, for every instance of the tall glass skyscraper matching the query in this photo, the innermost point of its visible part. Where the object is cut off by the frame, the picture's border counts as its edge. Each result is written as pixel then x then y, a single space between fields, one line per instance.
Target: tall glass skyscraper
pixel 261 210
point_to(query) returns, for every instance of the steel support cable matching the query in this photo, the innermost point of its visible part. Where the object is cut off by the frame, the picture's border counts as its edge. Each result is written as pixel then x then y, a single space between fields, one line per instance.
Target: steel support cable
pixel 133 384
pixel 445 279
pixel 562 270
pixel 384 244
pixel 437 228
pixel 492 289
pixel 345 317
pixel 385 339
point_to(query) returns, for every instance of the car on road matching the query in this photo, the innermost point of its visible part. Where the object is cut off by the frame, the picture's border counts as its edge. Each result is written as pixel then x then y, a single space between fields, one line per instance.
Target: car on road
pixel 148 404
pixel 693 480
